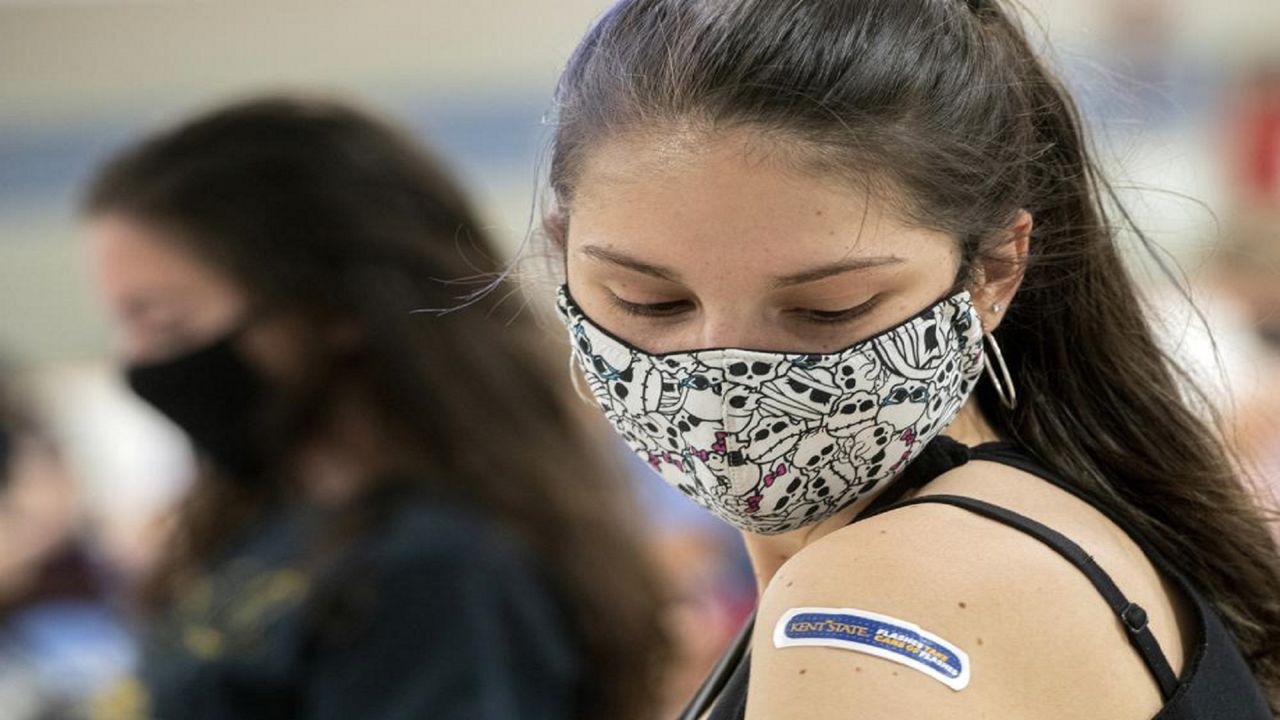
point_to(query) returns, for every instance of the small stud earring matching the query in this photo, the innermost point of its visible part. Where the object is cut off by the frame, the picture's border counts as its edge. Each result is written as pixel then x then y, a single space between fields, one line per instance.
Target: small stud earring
pixel 997 308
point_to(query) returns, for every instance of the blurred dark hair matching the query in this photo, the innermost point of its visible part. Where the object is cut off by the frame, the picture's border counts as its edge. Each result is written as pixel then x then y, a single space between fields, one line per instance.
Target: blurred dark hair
pixel 944 107
pixel 320 211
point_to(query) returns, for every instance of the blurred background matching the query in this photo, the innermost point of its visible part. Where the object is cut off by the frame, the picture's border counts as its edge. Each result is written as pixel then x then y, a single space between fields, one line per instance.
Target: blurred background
pixel 1183 97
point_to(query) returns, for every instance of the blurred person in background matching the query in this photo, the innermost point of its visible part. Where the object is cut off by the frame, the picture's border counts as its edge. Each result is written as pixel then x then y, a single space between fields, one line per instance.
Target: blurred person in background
pixel 61 639
pixel 707 576
pixel 1230 341
pixel 397 516
pixel 848 275
pixel 1246 268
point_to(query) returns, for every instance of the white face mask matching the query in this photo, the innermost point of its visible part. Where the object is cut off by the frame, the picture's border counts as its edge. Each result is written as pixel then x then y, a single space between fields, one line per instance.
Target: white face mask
pixel 770 442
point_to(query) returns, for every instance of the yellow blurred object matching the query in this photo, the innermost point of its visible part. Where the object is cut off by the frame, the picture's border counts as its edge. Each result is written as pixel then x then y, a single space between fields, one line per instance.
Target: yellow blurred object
pixel 125 700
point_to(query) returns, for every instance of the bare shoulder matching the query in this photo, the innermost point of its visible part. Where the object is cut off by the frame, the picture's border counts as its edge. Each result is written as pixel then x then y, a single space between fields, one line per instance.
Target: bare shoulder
pixel 935 584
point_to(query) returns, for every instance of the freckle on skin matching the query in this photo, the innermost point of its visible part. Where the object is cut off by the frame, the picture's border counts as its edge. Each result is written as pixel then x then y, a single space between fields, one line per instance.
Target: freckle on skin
pixel 803 671
pixel 979 641
pixel 857 669
pixel 963 606
pixel 790 584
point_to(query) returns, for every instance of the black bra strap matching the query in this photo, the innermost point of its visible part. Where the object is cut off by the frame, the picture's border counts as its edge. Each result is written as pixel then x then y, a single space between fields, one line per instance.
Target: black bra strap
pixel 1131 615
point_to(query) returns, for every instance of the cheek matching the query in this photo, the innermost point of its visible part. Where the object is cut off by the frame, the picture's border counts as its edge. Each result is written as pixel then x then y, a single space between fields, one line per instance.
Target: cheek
pixel 278 348
pixel 160 298
pixel 173 322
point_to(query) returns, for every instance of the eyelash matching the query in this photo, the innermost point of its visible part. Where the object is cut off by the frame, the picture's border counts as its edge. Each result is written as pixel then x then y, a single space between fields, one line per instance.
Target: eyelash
pixel 817 317
pixel 840 316
pixel 665 309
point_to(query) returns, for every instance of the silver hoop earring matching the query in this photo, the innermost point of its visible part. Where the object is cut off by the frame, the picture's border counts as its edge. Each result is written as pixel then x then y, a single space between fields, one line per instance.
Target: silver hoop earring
pixel 1005 390
pixel 577 383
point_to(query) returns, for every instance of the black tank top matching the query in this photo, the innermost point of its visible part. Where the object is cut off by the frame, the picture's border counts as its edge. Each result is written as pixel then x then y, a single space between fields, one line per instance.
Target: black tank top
pixel 1216 683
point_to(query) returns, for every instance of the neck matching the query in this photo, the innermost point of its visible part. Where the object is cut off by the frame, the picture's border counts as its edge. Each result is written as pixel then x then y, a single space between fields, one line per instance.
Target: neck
pixel 768 553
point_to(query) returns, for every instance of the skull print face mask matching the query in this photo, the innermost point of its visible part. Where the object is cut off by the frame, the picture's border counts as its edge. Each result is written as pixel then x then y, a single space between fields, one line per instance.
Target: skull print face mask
pixel 770 441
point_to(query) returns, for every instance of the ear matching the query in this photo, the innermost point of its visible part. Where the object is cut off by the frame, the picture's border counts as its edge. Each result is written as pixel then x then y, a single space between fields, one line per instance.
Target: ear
pixel 555 225
pixel 1000 271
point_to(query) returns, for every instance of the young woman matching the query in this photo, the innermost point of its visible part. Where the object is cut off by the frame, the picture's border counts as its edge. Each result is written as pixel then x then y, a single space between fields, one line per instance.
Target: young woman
pixel 830 258
pixel 398 518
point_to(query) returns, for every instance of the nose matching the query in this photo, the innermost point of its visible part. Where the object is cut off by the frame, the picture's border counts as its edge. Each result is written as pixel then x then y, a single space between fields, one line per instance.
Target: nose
pixel 735 327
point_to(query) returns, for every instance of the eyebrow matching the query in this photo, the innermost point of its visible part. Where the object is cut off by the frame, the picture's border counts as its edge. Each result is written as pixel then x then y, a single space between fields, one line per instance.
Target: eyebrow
pixel 838 268
pixel 616 258
pixel 663 273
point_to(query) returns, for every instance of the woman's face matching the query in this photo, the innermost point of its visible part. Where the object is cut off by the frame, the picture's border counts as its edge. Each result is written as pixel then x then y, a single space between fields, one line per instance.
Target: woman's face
pixel 164 300
pixel 677 246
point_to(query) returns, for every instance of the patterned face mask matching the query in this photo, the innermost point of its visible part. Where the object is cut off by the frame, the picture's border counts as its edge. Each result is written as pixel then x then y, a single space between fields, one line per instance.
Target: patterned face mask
pixel 770 441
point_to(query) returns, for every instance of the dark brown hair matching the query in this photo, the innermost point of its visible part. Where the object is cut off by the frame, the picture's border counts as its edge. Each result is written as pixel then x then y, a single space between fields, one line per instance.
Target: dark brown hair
pixel 944 104
pixel 322 212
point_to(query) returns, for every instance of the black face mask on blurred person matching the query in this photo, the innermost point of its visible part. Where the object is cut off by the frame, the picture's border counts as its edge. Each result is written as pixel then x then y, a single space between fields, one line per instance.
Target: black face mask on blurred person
pixel 216 397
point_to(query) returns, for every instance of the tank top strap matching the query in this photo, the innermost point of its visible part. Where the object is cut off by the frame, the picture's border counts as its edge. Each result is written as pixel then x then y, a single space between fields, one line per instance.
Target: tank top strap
pixel 944 454
pixel 1130 615
pixel 1015 455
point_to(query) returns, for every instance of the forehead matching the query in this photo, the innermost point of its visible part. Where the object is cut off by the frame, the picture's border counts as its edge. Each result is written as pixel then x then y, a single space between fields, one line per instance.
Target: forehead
pixel 732 201
pixel 130 248
pixel 133 259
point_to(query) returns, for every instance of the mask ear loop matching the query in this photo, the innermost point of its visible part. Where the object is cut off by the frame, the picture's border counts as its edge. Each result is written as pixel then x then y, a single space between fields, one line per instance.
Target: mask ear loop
pixel 577 382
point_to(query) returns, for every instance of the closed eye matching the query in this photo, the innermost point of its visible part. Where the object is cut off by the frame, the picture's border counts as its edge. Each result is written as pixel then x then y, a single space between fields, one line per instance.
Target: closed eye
pixel 676 307
pixel 835 317
pixel 663 309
